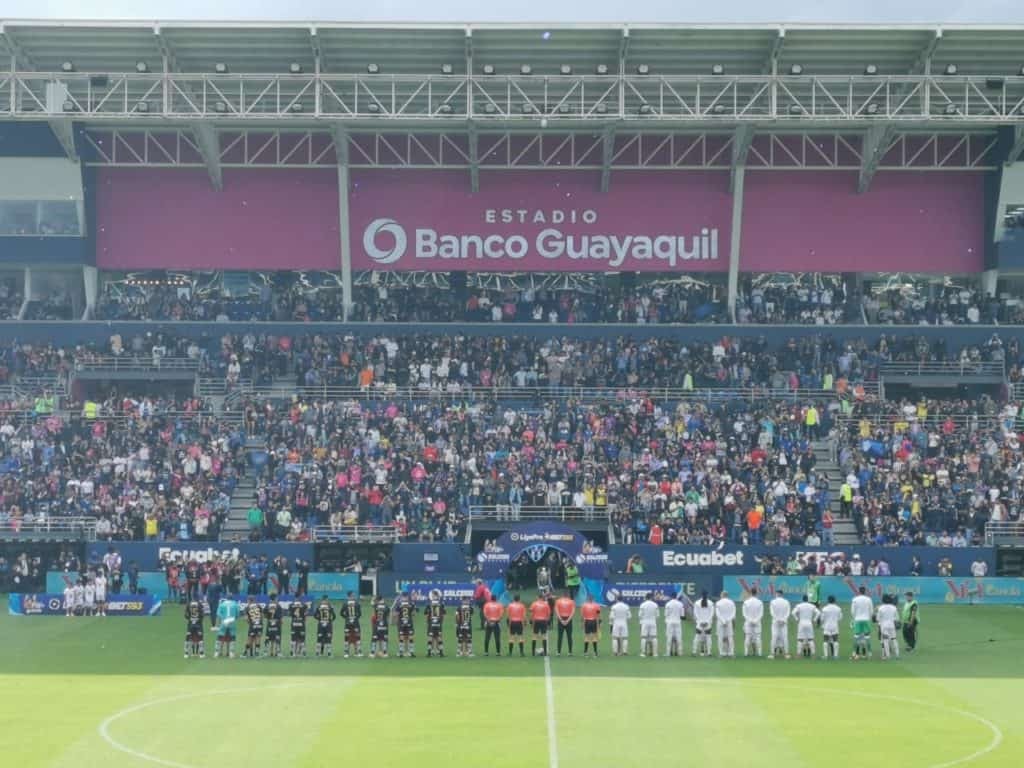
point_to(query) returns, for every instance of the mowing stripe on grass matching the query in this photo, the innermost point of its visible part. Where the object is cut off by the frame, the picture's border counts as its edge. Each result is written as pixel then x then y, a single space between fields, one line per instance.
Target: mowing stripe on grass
pixel 549 691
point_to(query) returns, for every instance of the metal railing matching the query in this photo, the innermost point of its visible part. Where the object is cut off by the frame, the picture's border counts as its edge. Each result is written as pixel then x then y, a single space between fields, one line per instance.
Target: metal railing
pixel 209 386
pixel 513 514
pixel 934 421
pixel 129 362
pixel 72 528
pixel 528 394
pixel 945 368
pixel 1004 532
pixel 356 534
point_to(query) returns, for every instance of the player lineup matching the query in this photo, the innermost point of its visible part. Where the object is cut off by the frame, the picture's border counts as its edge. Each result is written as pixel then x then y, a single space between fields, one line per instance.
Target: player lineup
pixel 714 623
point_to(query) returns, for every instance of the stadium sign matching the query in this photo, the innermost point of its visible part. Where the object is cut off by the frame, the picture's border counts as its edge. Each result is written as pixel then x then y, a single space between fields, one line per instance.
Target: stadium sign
pixel 533 540
pixel 926 589
pixel 52 604
pixel 148 555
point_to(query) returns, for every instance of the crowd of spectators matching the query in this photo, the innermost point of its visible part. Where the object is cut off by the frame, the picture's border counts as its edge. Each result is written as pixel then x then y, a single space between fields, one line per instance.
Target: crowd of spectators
pixel 144 467
pixel 804 303
pixel 11 298
pixel 949 305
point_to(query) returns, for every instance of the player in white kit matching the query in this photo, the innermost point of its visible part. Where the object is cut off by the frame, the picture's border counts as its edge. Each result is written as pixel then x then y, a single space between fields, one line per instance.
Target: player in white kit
pixel 805 615
pixel 101 594
pixel 779 609
pixel 725 618
pixel 674 613
pixel 79 594
pixel 90 598
pixel 863 612
pixel 831 615
pixel 620 614
pixel 648 612
pixel 887 617
pixel 703 616
pixel 753 614
pixel 69 600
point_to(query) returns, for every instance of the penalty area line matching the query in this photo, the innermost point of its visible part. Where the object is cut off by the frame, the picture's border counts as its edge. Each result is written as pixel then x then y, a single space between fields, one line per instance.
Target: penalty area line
pixel 549 691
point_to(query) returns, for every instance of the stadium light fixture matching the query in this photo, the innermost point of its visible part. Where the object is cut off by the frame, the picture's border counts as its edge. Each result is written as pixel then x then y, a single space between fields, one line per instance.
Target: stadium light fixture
pixel 220 68
pixel 67 66
pixel 565 69
pixel 373 69
pixel 525 69
pixel 295 68
pixel 564 109
pixel 643 69
pixel 952 109
pixel 796 69
pixel 601 108
pixel 796 109
pixel 872 108
pixel 718 109
pixel 646 109
pixel 142 106
pixel 871 69
pixel 220 107
pixel 717 69
pixel 445 109
pixel 602 69
pixel 296 107
pixel 447 69
pixel 527 108
pixel 141 67
pixel 488 69
pixel 951 69
pixel 373 107
pixel 68 105
pixel 489 108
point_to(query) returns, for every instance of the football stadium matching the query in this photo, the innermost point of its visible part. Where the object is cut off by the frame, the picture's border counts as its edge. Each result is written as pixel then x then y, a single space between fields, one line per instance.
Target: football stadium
pixel 511 395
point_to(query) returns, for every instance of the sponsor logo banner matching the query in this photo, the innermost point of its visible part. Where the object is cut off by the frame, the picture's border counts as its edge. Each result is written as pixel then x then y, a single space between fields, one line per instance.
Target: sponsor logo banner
pixel 451 592
pixel 535 222
pixel 735 559
pixel 334 585
pixel 532 540
pixel 926 589
pixel 147 554
pixel 635 592
pixel 52 604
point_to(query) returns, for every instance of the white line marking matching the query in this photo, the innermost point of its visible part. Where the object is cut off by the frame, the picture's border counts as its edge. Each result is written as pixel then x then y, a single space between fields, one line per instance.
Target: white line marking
pixel 104 727
pixel 549 690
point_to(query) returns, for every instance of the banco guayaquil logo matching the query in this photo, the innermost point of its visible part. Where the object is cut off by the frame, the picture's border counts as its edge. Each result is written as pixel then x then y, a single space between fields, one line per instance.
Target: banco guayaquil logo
pixel 388 227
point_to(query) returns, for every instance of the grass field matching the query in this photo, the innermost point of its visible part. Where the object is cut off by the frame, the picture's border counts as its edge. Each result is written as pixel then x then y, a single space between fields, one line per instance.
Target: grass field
pixel 117 693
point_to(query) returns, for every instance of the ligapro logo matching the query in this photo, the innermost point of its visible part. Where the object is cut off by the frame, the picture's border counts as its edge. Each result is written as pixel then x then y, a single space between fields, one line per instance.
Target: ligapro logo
pixel 388 227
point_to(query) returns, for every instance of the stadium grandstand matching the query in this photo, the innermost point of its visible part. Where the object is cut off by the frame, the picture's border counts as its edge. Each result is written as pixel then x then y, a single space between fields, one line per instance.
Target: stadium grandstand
pixel 420 314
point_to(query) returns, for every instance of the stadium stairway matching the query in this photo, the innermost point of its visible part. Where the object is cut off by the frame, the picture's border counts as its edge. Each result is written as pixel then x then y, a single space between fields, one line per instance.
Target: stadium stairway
pixel 825 464
pixel 237 525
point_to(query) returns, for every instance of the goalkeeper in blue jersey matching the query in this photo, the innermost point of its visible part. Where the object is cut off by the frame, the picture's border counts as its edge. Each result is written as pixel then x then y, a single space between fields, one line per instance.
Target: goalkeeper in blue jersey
pixel 227 618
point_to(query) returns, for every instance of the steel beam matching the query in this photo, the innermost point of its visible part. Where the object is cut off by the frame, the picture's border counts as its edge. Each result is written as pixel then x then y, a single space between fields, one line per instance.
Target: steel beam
pixel 64 129
pixel 876 142
pixel 736 232
pixel 778 43
pixel 1017 150
pixel 341 146
pixel 474 158
pixel 208 144
pixel 607 155
pixel 742 138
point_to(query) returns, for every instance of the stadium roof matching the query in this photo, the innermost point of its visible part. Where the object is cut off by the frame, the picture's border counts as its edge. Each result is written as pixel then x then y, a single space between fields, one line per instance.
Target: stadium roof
pixel 110 46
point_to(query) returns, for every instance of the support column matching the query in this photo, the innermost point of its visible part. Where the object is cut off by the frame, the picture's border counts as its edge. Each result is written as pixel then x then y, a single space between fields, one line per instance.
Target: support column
pixel 91 286
pixel 739 176
pixel 26 294
pixel 343 235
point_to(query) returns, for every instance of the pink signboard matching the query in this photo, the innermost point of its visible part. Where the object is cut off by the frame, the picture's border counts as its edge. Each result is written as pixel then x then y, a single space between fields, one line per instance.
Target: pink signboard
pixel 279 218
pixel 801 221
pixel 540 222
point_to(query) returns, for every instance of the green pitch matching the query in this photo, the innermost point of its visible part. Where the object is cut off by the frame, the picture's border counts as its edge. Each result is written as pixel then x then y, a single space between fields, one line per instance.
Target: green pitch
pixel 118 693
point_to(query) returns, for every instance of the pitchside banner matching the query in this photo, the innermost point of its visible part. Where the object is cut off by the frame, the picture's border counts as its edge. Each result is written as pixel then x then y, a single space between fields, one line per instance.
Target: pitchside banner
pixel 147 554
pixel 735 559
pixel 49 604
pixel 428 558
pixel 451 592
pixel 635 592
pixel 927 589
pixel 334 585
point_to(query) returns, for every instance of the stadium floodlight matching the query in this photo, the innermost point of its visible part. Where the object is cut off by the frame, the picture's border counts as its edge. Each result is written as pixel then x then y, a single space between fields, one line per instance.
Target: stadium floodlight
pixel 602 69
pixel 718 109
pixel 527 108
pixel 67 66
pixel 295 107
pixel 796 69
pixel 220 107
pixel 68 105
pixel 220 68
pixel 373 69
pixel 141 67
pixel 445 109
pixel 796 109
pixel 488 69
pixel 374 107
pixel 872 108
pixel 643 69
pixel 295 68
pixel 601 108
pixel 951 69
pixel 564 109
pixel 565 69
pixel 646 109
pixel 142 106
pixel 717 69
pixel 525 69
pixel 871 69
pixel 489 108
pixel 447 69
pixel 952 109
